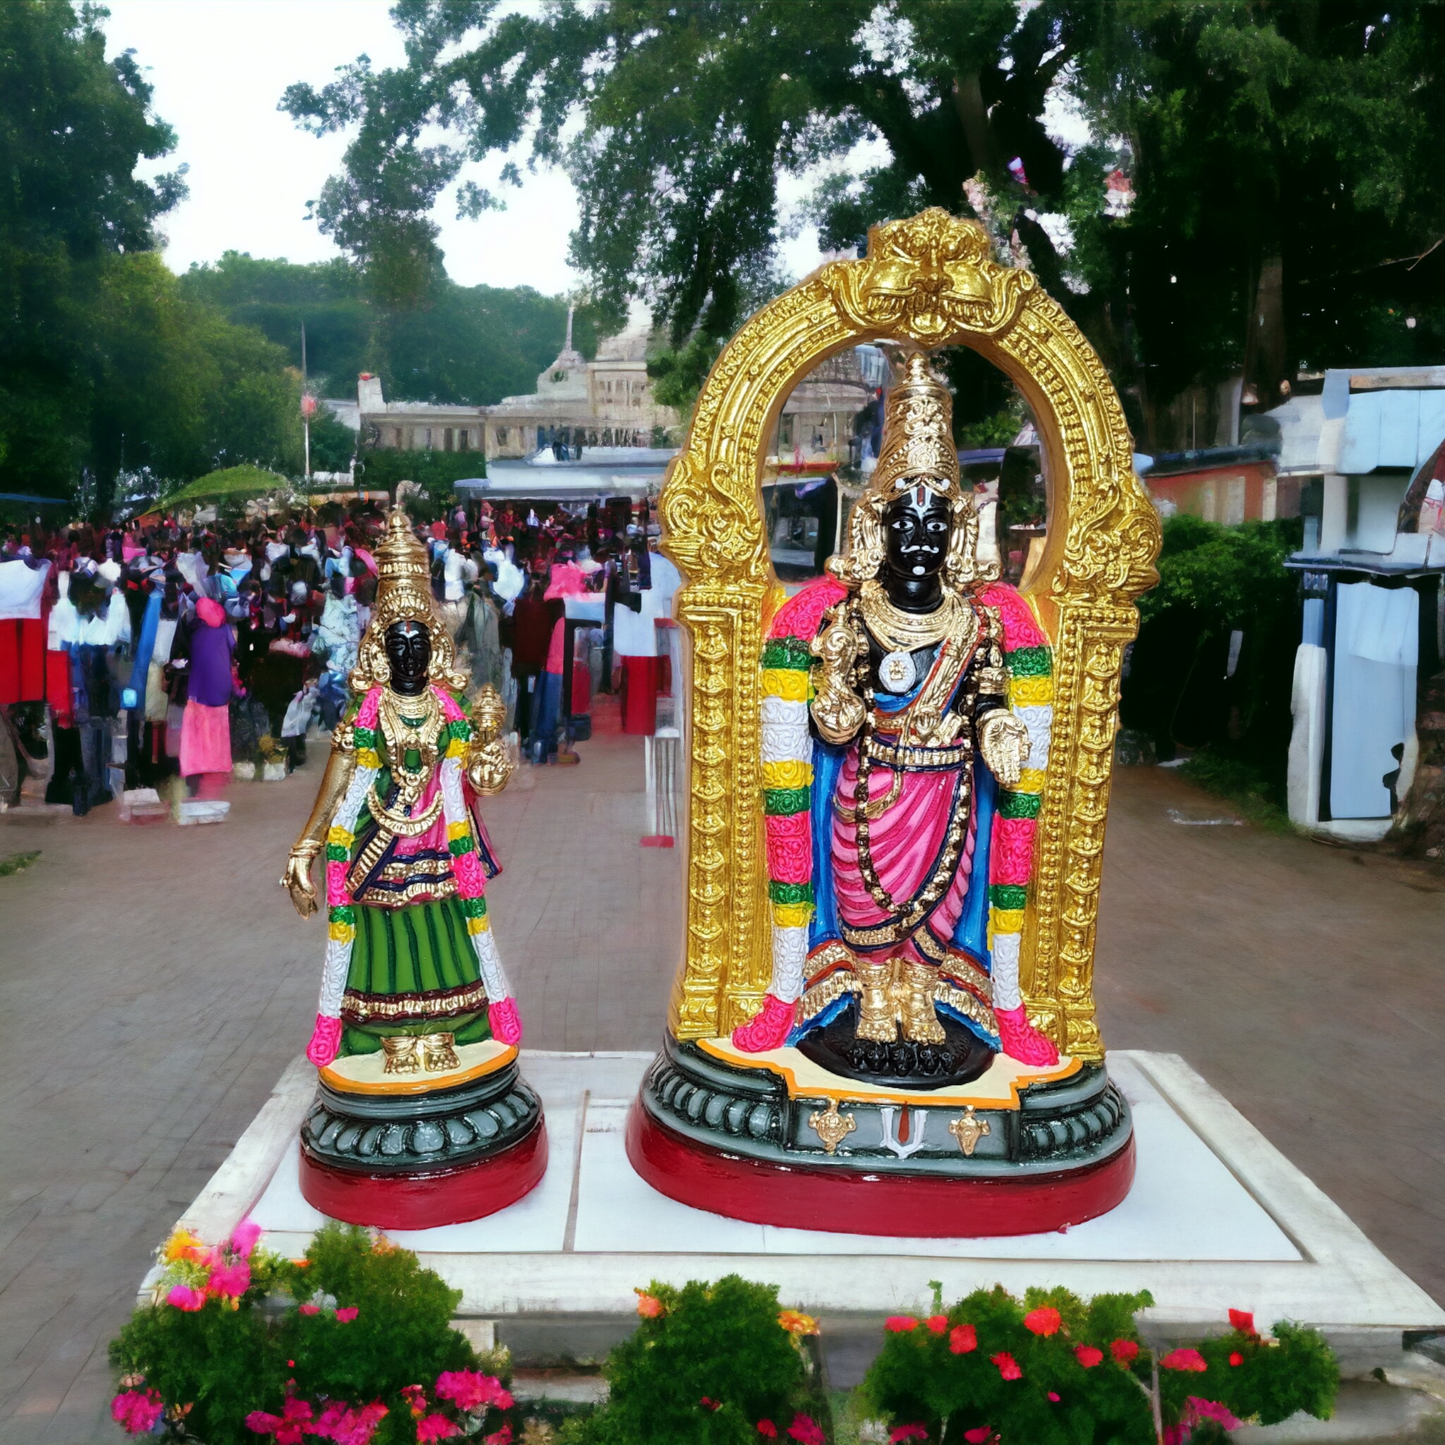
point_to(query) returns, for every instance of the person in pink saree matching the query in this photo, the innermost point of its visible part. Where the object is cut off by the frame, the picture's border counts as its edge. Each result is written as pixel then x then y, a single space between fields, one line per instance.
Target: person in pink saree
pixel 906 719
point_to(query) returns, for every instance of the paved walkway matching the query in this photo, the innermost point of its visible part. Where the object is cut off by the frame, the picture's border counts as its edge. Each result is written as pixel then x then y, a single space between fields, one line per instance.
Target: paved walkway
pixel 154 982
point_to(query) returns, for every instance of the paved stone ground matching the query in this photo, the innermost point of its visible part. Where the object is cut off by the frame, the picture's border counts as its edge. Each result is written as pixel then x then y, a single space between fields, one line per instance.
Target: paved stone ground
pixel 154 982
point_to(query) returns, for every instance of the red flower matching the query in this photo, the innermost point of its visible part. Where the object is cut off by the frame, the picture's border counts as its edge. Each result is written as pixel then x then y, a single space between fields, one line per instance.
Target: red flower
pixel 310 1309
pixel 436 1427
pixel 1243 1321
pixel 767 1429
pixel 978 1436
pixel 183 1297
pixel 1190 1360
pixel 900 1324
pixel 340 1423
pixel 937 1323
pixel 648 1305
pixel 713 1405
pixel 1045 1321
pixel 1088 1356
pixel 499 1437
pixel 907 1432
pixel 805 1431
pixel 1053 1397
pixel 1007 1367
pixel 1236 1358
pixel 1124 1351
pixel 415 1398
pixel 962 1340
pixel 347 1313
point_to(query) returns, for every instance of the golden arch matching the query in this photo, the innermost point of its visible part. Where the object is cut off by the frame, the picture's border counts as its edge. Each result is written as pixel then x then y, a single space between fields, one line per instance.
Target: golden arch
pixel 930 281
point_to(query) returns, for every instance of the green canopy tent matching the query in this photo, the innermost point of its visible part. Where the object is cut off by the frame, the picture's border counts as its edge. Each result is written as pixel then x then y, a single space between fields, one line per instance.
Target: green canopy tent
pixel 228 484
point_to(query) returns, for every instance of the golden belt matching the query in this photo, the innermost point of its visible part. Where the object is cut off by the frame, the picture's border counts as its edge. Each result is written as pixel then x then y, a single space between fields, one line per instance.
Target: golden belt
pixel 905 757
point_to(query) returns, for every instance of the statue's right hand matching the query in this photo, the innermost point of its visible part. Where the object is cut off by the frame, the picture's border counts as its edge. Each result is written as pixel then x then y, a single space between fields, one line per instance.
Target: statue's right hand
pixel 297 881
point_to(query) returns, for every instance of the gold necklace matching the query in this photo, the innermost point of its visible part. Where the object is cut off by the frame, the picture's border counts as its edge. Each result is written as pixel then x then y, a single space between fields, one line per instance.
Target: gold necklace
pixel 407 728
pixel 900 631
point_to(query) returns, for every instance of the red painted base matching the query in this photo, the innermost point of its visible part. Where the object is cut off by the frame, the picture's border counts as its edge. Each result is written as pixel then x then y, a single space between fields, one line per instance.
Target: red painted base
pixel 421 1201
pixel 871 1203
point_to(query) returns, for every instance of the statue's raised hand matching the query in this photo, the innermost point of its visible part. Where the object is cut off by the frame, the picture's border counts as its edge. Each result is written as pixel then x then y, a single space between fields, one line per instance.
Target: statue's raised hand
pixel 297 880
pixel 1004 742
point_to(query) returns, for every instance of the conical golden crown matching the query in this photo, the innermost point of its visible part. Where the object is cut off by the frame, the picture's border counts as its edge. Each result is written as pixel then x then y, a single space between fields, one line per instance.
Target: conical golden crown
pixel 401 557
pixel 918 435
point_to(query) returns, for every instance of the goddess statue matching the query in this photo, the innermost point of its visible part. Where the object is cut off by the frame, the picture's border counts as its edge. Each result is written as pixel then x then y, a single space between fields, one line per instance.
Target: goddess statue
pixel 411 966
pixel 905 737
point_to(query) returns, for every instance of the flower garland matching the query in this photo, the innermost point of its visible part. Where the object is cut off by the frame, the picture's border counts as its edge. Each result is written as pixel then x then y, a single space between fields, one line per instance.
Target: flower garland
pixel 461 843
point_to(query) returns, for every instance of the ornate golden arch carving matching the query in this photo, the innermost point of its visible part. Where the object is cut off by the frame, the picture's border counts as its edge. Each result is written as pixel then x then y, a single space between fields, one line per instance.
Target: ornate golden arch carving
pixel 930 281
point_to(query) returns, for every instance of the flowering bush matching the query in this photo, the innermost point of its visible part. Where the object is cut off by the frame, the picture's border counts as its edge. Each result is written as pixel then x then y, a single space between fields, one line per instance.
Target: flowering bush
pixel 1057 1370
pixel 351 1344
pixel 710 1364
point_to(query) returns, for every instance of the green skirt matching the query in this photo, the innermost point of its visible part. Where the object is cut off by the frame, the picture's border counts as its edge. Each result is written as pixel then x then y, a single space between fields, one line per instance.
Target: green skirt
pixel 413 971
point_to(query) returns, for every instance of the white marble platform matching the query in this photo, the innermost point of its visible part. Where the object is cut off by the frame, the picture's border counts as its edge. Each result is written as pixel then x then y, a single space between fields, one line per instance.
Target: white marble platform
pixel 1217 1218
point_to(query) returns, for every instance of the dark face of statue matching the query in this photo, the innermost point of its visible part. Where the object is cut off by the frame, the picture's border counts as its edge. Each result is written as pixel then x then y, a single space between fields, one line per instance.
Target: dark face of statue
pixel 408 650
pixel 915 532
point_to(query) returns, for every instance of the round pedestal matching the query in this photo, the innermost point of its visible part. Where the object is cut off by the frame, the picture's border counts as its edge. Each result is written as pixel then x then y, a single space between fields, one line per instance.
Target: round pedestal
pixel 411 1158
pixel 772 1139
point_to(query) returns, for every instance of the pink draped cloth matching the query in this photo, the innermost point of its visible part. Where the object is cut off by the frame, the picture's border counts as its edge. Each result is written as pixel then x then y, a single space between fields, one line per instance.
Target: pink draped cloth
pixel 905 844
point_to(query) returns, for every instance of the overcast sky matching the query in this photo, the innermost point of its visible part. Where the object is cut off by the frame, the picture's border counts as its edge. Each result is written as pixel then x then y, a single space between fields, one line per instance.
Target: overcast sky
pixel 219 68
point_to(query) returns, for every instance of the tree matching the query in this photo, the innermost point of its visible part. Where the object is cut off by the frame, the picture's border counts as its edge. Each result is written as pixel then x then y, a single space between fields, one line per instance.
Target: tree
pixel 690 109
pixel 73 127
pixel 1283 156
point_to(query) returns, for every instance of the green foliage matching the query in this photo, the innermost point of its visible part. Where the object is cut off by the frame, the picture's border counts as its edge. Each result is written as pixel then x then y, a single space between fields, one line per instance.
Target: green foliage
pixel 333 443
pixel 716 1342
pixel 920 1378
pixel 471 345
pixel 926 1375
pixel 435 472
pixel 1212 581
pixel 225 1361
pixel 13 863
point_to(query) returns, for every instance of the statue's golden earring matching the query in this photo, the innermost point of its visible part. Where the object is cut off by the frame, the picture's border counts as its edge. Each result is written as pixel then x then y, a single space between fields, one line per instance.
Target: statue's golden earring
pixel 960 566
pixel 866 548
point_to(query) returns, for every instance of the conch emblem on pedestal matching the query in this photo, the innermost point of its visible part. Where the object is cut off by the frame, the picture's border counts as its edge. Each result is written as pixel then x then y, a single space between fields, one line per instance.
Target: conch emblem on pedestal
pixel 831 1126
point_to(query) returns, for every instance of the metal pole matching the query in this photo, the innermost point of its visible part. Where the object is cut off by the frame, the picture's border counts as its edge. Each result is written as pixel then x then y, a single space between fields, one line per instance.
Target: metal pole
pixel 305 420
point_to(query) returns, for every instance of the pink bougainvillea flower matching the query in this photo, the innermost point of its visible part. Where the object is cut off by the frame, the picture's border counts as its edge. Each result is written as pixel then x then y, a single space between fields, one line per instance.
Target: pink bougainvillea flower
pixel 805 1431
pixel 310 1308
pixel 979 1435
pixel 648 1305
pixel 1188 1360
pixel 907 1432
pixel 471 1390
pixel 499 1437
pixel 415 1398
pixel 1053 1397
pixel 290 1427
pixel 767 1430
pixel 436 1427
pixel 1236 1358
pixel 1088 1356
pixel 708 1403
pixel 962 1340
pixel 900 1324
pixel 230 1281
pixel 183 1297
pixel 346 1426
pixel 1197 1411
pixel 136 1411
pixel 1007 1367
pixel 244 1237
pixel 937 1324
pixel 1243 1321
pixel 347 1313
pixel 1044 1321
pixel 1124 1351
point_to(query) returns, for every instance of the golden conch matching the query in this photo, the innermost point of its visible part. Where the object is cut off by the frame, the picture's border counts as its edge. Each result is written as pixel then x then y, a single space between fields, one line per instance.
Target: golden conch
pixel 929 281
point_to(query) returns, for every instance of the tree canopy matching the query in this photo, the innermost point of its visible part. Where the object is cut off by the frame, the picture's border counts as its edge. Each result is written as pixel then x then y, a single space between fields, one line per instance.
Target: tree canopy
pixel 1282 154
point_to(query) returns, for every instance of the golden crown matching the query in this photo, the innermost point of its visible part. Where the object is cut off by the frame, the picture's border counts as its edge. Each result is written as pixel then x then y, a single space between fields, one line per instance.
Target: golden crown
pixel 918 435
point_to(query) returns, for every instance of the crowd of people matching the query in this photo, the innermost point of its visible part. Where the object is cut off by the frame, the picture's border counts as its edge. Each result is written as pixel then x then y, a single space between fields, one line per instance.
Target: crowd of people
pixel 153 650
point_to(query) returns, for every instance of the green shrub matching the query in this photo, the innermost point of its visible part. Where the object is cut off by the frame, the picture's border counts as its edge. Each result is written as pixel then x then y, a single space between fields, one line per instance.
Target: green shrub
pixel 238 1341
pixel 707 1364
pixel 1057 1370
